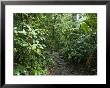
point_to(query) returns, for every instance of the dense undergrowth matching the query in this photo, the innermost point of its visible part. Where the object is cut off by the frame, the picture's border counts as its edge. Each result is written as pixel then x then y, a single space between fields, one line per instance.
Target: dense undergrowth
pixel 38 35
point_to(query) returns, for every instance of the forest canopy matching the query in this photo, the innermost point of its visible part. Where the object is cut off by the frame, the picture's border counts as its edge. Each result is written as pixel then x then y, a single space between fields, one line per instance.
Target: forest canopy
pixel 44 42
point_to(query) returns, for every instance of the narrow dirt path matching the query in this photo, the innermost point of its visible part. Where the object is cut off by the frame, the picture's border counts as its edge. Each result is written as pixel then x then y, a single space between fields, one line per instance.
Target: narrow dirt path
pixel 64 68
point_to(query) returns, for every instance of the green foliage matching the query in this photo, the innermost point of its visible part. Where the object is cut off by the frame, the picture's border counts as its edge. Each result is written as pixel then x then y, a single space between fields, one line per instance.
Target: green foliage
pixel 37 34
pixel 29 47
pixel 79 42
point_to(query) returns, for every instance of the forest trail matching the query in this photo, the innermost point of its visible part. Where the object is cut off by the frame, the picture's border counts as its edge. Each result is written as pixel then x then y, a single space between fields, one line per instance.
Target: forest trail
pixel 64 68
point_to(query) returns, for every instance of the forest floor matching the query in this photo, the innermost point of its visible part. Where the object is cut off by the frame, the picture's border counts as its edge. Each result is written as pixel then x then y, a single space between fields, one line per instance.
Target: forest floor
pixel 65 68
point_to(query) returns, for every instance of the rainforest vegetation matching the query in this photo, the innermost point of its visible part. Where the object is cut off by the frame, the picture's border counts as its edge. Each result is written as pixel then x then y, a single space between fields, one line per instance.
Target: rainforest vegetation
pixel 55 43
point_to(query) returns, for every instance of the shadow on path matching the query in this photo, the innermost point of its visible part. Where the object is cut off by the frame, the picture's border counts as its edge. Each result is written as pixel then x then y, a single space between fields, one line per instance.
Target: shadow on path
pixel 62 67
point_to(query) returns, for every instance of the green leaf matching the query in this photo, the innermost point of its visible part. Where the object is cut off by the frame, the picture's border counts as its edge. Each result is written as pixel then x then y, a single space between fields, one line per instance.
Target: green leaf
pixel 39 51
pixel 22 32
pixel 34 46
pixel 25 45
pixel 85 27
